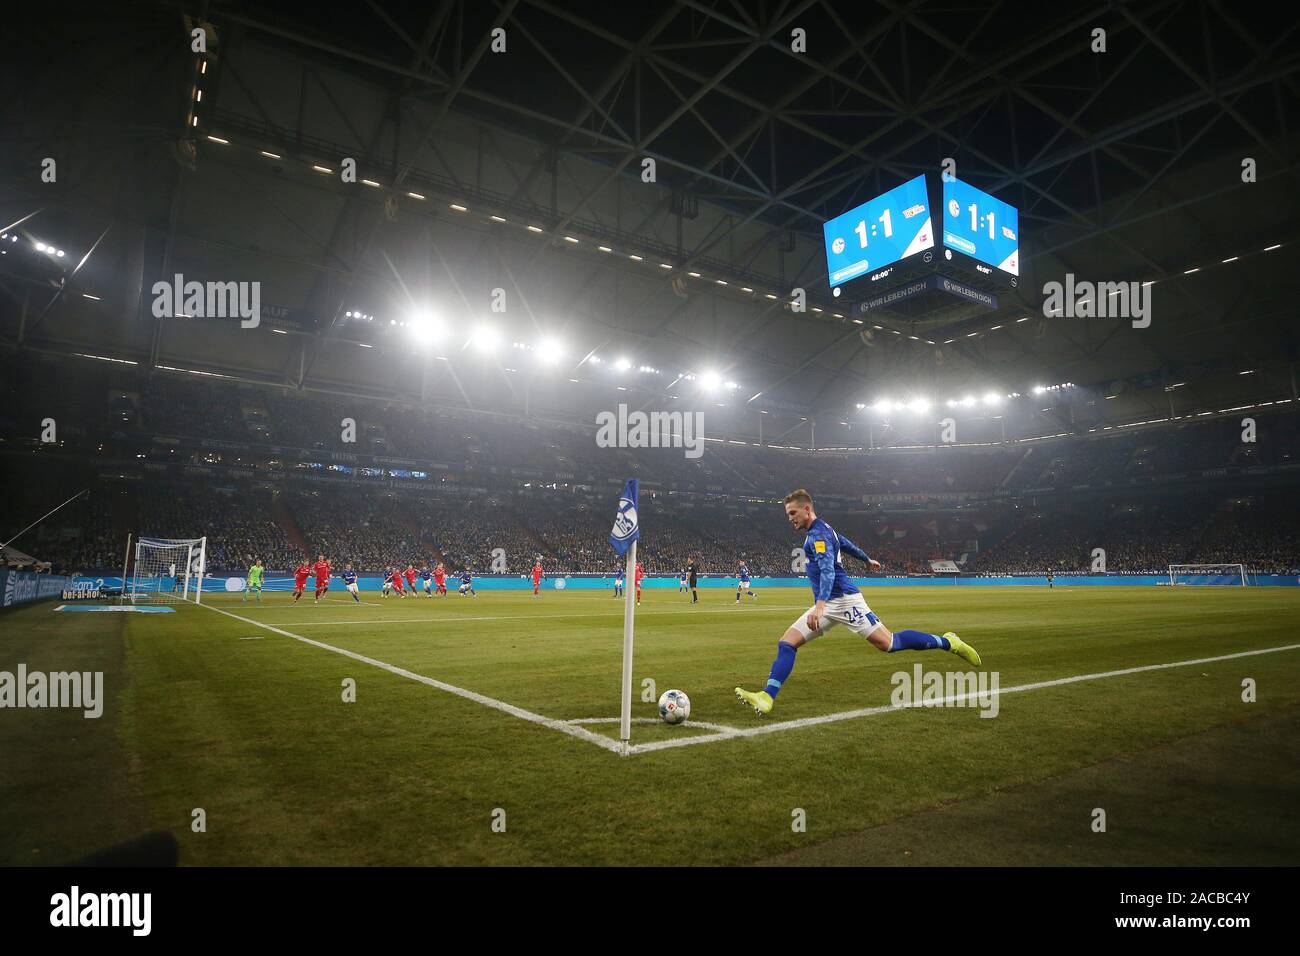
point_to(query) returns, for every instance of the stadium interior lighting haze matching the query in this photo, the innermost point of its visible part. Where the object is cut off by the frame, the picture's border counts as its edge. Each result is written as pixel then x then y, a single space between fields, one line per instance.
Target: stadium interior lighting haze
pixel 423 323
pixel 485 339
pixel 549 351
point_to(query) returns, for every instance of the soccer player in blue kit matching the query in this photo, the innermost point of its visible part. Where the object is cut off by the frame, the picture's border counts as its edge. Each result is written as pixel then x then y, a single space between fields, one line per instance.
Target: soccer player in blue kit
pixel 467 583
pixel 742 583
pixel 838 601
pixel 350 582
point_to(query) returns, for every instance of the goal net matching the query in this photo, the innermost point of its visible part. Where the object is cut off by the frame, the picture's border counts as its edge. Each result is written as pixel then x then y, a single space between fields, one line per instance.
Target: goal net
pixel 1208 575
pixel 168 570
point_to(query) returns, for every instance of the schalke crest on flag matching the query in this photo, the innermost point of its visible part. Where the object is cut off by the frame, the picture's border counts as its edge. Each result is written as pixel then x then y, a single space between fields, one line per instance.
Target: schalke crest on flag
pixel 627 528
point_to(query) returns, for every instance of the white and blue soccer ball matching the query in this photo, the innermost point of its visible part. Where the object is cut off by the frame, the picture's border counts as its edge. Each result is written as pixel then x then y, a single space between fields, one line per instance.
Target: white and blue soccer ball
pixel 674 707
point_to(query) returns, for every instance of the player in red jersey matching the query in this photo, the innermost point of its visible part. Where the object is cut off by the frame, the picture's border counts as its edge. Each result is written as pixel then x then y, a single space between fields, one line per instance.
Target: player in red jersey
pixel 440 579
pixel 322 570
pixel 410 577
pixel 537 576
pixel 300 575
pixel 639 575
pixel 398 588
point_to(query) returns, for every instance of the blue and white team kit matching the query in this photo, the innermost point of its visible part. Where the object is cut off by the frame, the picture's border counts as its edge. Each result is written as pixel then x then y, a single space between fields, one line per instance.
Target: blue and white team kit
pixel 832 584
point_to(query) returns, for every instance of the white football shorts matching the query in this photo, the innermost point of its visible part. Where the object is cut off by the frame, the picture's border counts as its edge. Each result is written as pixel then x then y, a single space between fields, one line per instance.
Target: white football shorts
pixel 850 610
pixel 352 588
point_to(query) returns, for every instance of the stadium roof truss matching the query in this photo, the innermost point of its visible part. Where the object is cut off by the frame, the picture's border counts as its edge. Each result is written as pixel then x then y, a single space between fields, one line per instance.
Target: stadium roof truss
pixel 758 142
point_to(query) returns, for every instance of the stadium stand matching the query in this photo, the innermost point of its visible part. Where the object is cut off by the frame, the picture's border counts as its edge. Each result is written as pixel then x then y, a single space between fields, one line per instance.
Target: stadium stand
pixel 422 485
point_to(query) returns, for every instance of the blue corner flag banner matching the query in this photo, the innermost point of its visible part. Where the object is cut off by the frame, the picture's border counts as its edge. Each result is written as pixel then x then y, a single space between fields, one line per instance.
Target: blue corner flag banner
pixel 626 526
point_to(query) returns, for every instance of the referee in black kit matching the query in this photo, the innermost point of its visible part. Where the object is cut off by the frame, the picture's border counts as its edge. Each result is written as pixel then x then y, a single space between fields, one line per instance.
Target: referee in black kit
pixel 693 573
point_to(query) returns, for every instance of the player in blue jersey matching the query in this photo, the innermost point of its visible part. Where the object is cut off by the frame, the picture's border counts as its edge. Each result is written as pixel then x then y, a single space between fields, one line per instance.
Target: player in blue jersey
pixel 388 583
pixel 682 586
pixel 742 583
pixel 838 601
pixel 350 582
pixel 467 583
pixel 427 577
pixel 618 579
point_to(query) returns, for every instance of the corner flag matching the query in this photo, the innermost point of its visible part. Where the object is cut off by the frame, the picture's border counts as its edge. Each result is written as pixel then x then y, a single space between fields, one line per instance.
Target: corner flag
pixel 627 528
pixel 624 536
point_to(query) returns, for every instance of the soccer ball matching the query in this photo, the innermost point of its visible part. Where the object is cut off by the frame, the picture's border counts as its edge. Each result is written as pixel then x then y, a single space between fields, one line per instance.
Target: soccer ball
pixel 674 707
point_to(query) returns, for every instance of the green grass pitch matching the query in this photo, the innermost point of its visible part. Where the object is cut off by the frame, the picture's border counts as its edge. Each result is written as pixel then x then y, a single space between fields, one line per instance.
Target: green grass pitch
pixel 205 710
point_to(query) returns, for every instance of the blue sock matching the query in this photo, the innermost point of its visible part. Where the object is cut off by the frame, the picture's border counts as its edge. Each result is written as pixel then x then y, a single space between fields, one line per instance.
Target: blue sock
pixel 919 641
pixel 781 667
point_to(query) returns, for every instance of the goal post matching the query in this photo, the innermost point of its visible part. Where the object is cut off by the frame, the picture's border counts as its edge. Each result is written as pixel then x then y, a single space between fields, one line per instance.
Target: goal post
pixel 168 570
pixel 1207 575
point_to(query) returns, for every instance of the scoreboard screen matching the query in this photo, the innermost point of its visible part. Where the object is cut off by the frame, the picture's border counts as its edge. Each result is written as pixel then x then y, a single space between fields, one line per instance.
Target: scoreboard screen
pixel 890 227
pixel 980 226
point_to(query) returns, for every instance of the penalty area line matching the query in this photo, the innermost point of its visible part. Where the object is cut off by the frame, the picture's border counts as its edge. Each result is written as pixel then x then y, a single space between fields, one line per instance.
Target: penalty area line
pixel 954 698
pixel 572 730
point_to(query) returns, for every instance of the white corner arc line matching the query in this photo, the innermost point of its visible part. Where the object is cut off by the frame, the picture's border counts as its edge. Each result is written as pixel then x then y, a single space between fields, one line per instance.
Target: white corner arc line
pixel 649 720
pixel 890 708
pixel 580 732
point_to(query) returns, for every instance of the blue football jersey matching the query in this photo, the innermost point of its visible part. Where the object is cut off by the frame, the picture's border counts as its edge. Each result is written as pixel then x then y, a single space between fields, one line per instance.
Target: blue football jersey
pixel 349 577
pixel 826 573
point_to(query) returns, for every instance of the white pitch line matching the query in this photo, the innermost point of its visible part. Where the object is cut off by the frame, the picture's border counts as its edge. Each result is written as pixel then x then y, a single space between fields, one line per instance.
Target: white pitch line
pixel 646 720
pixel 573 731
pixel 528 617
pixel 872 711
pixel 728 733
pixel 290 605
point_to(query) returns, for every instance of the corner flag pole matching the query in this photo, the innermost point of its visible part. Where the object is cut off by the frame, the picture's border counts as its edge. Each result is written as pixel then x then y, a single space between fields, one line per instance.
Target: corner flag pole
pixel 629 612
pixel 627 528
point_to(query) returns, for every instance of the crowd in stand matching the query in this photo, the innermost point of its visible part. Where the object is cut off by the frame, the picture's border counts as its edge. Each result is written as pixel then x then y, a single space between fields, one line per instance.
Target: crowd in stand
pixel 692 508
pixel 239 527
pixel 570 533
pixel 368 533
